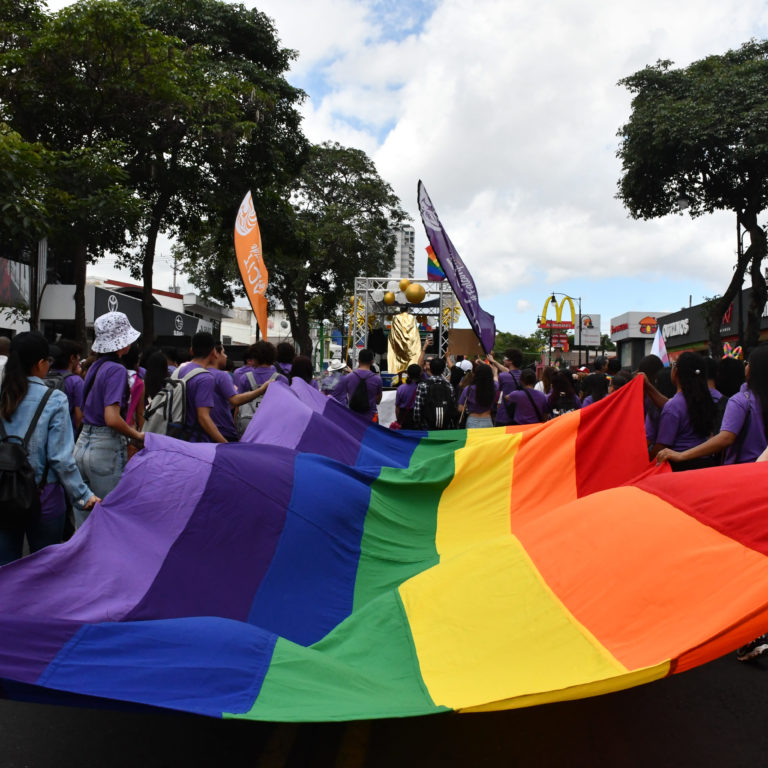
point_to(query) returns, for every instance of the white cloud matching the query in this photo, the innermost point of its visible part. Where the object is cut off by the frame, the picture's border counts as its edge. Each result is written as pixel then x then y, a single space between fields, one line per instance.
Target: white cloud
pixel 523 305
pixel 508 111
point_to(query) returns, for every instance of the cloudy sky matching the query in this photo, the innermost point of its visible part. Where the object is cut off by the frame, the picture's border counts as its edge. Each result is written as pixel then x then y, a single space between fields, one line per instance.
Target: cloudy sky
pixel 508 112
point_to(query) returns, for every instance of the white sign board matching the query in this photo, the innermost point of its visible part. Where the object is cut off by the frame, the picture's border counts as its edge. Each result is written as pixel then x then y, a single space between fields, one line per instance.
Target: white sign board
pixel 587 334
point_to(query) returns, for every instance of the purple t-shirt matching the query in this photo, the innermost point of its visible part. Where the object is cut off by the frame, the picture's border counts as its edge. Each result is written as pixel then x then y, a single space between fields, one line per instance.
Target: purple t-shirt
pixel 733 421
pixel 675 430
pixel 525 413
pixel 73 389
pixel 221 413
pixel 469 400
pixel 346 388
pixel 509 381
pixel 406 395
pixel 260 374
pixel 201 393
pixel 110 386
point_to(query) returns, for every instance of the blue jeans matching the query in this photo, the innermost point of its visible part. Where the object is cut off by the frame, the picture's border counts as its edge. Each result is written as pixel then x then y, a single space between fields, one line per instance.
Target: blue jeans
pixel 101 456
pixel 48 530
pixel 479 422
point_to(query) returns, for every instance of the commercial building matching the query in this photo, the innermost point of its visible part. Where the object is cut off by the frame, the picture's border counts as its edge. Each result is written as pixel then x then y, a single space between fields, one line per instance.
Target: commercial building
pixel 404 252
pixel 633 333
pixel 688 329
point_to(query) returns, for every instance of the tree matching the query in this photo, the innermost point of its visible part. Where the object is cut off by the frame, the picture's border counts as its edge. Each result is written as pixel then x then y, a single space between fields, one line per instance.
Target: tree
pixel 332 225
pixel 246 133
pixel 702 132
pixel 186 109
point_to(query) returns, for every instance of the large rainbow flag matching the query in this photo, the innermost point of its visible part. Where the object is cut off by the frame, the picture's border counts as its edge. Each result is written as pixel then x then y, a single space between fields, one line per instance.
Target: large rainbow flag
pixel 329 569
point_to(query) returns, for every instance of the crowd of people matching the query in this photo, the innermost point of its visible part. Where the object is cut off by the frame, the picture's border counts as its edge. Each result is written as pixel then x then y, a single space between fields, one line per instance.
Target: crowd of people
pixel 698 413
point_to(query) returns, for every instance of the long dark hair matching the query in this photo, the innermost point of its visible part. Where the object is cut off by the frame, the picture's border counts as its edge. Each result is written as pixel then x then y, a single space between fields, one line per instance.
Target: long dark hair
pixel 302 368
pixel 691 377
pixel 156 366
pixel 596 384
pixel 483 384
pixel 758 379
pixel 27 349
pixel 730 376
pixel 414 373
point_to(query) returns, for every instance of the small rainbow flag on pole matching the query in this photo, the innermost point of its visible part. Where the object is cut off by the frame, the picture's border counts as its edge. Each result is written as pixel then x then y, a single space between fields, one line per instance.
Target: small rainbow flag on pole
pixel 434 270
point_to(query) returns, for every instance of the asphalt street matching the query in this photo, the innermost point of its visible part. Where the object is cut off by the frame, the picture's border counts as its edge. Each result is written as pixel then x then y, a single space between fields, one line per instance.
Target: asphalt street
pixel 712 716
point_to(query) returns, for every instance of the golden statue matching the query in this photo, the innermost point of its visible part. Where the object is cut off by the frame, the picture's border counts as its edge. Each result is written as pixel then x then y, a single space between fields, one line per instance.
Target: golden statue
pixel 404 345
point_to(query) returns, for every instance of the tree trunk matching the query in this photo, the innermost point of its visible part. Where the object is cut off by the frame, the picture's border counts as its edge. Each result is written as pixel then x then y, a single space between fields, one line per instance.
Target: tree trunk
pixel 299 319
pixel 148 263
pixel 720 306
pixel 759 289
pixel 80 264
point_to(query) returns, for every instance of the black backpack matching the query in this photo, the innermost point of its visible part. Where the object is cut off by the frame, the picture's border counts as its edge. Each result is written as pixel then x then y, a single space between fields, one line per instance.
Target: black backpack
pixel 359 401
pixel 19 493
pixel 439 408
pixel 55 380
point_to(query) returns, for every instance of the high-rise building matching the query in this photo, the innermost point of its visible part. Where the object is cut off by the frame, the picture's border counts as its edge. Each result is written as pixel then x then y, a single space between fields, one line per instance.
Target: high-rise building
pixel 404 252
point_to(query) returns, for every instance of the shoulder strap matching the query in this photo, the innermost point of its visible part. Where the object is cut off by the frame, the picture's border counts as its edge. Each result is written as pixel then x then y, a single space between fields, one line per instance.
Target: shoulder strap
pixel 252 381
pixel 191 374
pixel 533 403
pixel 32 424
pixel 95 368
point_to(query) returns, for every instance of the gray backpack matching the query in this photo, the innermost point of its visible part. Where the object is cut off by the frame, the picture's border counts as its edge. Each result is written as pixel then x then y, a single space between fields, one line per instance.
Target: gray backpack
pixel 246 411
pixel 167 413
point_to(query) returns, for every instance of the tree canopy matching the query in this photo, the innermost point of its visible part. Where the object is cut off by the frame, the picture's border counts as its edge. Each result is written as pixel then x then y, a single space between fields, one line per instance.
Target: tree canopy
pixel 192 91
pixel 701 132
pixel 337 224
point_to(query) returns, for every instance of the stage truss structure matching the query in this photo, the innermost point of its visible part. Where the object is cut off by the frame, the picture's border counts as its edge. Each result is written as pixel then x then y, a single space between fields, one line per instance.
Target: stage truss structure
pixel 440 306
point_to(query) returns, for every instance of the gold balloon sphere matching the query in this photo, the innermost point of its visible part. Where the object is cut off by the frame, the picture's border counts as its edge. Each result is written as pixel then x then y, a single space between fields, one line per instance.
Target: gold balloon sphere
pixel 389 297
pixel 404 283
pixel 415 293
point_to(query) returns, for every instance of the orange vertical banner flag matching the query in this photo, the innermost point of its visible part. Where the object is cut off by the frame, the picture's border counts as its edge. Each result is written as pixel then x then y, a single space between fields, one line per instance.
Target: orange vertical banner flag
pixel 251 261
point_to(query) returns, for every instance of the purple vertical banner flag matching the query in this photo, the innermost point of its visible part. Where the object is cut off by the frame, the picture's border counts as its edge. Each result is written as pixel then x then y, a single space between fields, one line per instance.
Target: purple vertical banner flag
pixel 483 324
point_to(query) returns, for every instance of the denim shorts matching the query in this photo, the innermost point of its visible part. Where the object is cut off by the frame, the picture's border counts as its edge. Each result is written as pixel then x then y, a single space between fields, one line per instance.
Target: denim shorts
pixel 101 455
pixel 479 422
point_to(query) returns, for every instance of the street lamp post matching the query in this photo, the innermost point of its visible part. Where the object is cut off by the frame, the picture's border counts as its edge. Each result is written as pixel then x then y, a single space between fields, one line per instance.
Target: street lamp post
pixel 739 254
pixel 554 301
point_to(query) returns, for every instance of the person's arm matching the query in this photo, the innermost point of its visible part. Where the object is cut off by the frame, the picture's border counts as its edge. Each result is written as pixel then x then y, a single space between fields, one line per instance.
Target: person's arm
pixel 718 442
pixel 495 364
pixel 246 397
pixel 206 424
pixel 448 362
pixel 380 390
pixel 78 417
pixel 60 449
pixel 427 343
pixel 652 393
pixel 763 456
pixel 113 419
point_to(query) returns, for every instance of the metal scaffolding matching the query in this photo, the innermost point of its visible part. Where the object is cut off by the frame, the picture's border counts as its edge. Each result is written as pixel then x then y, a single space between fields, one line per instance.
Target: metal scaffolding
pixel 441 310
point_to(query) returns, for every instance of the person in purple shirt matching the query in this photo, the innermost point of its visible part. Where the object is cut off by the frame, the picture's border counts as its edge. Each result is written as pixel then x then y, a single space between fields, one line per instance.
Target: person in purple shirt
pixel 562 398
pixel 284 354
pixel 743 432
pixel 405 397
pixel 65 369
pixel 595 388
pixel 302 368
pixel 209 395
pixel 347 386
pixel 101 449
pixel 530 404
pixel 509 381
pixel 687 419
pixel 478 398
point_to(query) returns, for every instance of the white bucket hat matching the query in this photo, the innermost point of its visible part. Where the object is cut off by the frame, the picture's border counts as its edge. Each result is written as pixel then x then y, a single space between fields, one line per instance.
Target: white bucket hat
pixel 336 365
pixel 113 331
